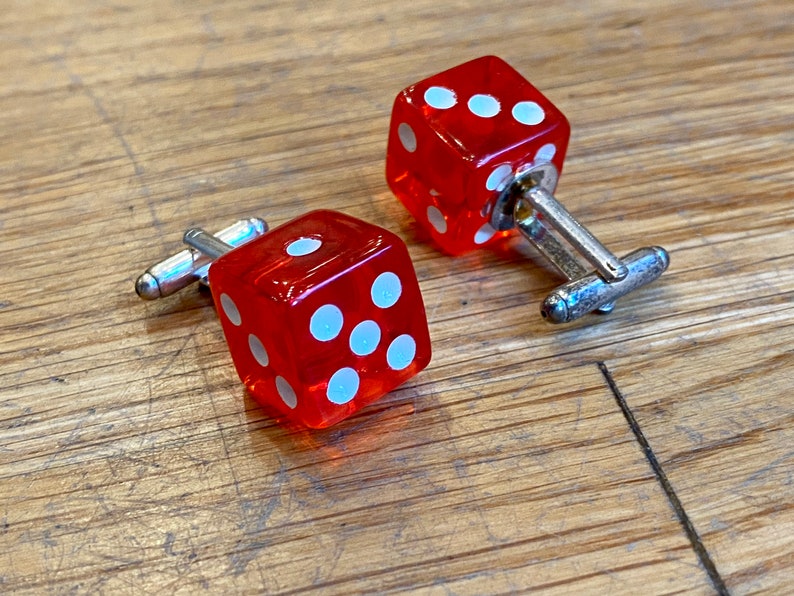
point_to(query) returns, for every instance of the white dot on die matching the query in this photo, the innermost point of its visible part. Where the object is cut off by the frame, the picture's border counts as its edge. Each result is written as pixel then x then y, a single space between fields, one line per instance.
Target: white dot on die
pixel 286 393
pixel 326 322
pixel 401 352
pixel 499 177
pixel 303 246
pixel 528 112
pixel 440 98
pixel 484 234
pixel 230 310
pixel 258 351
pixel 437 219
pixel 364 338
pixel 407 137
pixel 386 290
pixel 484 106
pixel 342 386
pixel 546 153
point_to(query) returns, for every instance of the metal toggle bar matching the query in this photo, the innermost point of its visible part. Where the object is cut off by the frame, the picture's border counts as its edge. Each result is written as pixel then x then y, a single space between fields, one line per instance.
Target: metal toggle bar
pixel 586 294
pixel 189 266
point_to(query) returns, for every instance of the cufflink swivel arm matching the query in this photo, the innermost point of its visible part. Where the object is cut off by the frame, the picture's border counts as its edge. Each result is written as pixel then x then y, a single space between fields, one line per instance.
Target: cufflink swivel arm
pixel 190 265
pixel 528 204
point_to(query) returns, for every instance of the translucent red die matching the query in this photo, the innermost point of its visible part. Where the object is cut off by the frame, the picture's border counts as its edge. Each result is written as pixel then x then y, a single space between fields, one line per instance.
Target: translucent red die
pixel 457 138
pixel 322 316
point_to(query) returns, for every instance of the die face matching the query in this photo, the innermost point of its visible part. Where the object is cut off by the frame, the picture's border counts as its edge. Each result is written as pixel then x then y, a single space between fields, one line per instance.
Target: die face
pixel 335 312
pixel 458 137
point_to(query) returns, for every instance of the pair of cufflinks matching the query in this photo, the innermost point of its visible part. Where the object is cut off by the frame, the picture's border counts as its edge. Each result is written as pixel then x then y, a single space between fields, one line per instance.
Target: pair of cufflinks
pixel 323 315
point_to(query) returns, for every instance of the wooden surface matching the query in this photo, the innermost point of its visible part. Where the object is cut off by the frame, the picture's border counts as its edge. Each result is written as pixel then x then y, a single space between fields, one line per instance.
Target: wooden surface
pixel 650 451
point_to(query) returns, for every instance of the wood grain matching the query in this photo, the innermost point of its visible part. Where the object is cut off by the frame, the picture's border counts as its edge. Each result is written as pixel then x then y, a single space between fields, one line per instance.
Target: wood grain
pixel 649 450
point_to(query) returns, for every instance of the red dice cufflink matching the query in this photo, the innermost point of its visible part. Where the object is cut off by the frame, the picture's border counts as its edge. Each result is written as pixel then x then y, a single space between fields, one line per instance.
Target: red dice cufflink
pixel 322 315
pixel 474 153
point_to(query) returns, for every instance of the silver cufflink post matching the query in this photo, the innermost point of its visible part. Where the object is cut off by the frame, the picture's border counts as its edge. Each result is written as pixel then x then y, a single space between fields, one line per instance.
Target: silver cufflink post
pixel 191 265
pixel 527 203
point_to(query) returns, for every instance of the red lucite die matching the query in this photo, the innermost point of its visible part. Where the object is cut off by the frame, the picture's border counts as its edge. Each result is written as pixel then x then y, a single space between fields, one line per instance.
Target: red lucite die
pixel 322 316
pixel 458 137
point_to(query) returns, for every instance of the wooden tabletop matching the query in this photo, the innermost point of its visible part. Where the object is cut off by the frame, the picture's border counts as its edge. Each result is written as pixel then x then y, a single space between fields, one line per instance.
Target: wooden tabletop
pixel 648 451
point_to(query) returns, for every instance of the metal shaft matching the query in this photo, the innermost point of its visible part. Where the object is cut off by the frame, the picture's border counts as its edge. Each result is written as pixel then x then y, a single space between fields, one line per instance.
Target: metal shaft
pixel 549 246
pixel 206 243
pixel 546 242
pixel 189 266
pixel 607 264
pixel 586 294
